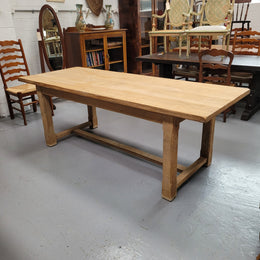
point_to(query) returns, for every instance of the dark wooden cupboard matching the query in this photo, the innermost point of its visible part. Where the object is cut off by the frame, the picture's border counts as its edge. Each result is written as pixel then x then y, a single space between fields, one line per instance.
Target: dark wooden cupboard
pixel 136 17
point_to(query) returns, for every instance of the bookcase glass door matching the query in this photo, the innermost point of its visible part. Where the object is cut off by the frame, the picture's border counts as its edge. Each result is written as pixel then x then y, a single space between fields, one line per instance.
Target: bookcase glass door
pixel 95 53
pixel 115 54
pixel 147 9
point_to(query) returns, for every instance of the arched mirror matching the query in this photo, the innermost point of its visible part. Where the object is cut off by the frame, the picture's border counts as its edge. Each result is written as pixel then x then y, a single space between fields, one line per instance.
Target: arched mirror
pixel 52 44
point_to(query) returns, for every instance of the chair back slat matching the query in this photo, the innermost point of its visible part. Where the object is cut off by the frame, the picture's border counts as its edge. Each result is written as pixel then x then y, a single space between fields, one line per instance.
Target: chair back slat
pixel 12 64
pixel 215 66
pixel 203 41
pixel 10 57
pixel 10 50
pixel 13 71
pixel 246 43
pixel 12 78
pixel 8 43
pixel 12 61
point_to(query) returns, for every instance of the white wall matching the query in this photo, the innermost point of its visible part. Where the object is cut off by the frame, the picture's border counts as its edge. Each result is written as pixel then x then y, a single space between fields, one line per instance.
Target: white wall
pixel 16 23
pixel 7 31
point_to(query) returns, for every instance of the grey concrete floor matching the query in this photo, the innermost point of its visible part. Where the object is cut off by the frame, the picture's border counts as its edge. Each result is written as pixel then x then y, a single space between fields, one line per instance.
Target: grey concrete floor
pixel 80 200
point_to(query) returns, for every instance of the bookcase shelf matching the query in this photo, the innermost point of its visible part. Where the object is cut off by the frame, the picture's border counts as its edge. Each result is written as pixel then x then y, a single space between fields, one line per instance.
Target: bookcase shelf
pixel 96 49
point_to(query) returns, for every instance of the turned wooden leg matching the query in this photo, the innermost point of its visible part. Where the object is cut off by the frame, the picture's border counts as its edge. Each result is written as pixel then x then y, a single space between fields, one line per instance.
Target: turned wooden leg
pixel 207 140
pixel 46 112
pixel 170 149
pixel 92 116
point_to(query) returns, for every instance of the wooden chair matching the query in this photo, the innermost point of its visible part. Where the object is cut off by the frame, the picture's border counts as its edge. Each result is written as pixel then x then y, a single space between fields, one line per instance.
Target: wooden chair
pixel 192 72
pixel 12 66
pixel 175 23
pixel 233 31
pixel 240 15
pixel 245 43
pixel 215 20
pixel 214 71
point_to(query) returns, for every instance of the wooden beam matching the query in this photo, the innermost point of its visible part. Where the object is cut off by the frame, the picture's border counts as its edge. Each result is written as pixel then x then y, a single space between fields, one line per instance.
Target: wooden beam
pixel 69 131
pixel 123 147
pixel 190 170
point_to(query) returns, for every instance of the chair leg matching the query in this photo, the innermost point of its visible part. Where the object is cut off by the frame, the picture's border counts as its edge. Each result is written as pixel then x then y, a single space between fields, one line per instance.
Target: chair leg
pixel 34 104
pixel 11 111
pixel 22 108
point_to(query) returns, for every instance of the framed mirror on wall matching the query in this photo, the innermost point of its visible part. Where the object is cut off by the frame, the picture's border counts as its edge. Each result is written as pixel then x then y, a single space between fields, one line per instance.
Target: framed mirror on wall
pixel 51 42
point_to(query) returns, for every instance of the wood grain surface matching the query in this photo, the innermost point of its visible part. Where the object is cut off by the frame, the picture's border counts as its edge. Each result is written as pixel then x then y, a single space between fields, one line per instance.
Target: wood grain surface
pixel 187 100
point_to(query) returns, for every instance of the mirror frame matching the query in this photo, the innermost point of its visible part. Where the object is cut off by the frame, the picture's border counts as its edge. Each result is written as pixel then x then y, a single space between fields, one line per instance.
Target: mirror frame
pixel 44 7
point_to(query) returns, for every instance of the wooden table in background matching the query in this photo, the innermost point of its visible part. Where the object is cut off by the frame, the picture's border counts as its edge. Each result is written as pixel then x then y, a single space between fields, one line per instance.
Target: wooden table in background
pixel 248 63
pixel 160 100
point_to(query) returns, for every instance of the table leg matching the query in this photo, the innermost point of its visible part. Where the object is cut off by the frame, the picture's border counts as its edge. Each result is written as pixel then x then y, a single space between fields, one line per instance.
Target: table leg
pixel 165 70
pixel 170 149
pixel 252 100
pixel 46 112
pixel 207 140
pixel 92 116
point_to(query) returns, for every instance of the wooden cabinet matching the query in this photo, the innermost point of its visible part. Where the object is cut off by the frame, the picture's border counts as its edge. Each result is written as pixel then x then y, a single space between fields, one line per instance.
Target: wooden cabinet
pixel 103 49
pixel 136 17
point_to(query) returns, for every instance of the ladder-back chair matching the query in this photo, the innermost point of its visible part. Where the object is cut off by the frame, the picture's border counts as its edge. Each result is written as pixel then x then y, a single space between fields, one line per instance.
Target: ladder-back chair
pixel 240 14
pixel 245 43
pixel 214 70
pixel 12 66
pixel 191 71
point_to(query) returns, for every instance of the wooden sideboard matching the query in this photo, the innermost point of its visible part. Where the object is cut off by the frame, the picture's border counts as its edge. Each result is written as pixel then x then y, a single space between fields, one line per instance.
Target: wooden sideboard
pixel 103 49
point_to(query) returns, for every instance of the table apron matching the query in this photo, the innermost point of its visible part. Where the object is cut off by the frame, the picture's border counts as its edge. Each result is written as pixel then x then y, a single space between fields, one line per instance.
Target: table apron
pixel 131 111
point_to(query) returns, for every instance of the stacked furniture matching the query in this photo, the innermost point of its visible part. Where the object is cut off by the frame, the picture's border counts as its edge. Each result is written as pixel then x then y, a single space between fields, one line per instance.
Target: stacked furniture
pixel 214 16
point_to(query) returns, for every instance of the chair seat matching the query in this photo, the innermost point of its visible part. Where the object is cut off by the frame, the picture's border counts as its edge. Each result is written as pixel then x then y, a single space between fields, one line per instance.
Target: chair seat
pixel 164 32
pixel 209 28
pixel 24 89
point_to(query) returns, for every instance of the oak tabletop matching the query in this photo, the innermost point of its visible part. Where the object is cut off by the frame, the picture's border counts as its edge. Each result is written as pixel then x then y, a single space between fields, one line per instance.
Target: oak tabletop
pixel 186 100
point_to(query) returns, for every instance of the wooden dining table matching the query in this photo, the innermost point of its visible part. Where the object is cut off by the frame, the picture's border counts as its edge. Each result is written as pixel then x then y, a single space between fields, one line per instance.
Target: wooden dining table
pixel 246 63
pixel 161 100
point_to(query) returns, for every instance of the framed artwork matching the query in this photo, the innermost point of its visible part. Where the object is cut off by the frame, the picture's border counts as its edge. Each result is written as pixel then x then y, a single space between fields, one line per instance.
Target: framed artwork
pixel 58 1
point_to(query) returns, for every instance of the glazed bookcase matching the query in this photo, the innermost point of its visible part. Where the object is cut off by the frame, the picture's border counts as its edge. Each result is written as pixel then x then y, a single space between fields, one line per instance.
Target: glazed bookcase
pixel 101 49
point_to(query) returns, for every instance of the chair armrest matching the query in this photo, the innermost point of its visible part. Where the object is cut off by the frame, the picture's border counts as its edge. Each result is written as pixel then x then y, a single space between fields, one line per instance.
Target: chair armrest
pixel 155 16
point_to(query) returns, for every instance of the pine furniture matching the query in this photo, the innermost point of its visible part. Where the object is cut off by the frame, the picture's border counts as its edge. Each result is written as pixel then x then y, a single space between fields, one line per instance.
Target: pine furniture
pixel 247 63
pixel 160 100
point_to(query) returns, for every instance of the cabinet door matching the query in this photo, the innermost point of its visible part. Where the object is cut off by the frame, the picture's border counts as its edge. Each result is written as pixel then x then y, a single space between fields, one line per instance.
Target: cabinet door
pixel 147 9
pixel 145 12
pixel 93 52
pixel 116 52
